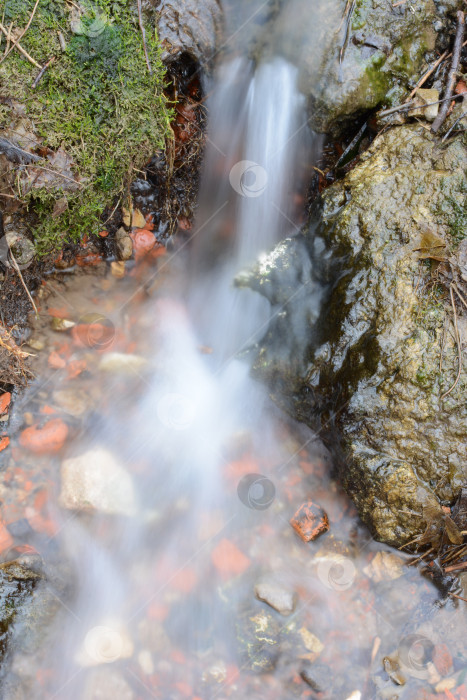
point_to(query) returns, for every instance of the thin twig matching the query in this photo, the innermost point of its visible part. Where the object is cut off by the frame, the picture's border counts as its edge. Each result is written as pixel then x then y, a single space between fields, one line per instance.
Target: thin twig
pixel 464 114
pixel 456 289
pixel 425 77
pixel 454 553
pixel 20 48
pixel 42 71
pixel 143 33
pixel 24 30
pixel 456 54
pixel 346 11
pixel 459 597
pixel 459 345
pixel 16 266
pixel 346 37
pixel 13 349
pixel 412 105
pixel 113 212
pixel 55 172
pixel 7 48
pixel 443 341
pixel 425 554
pixel 455 567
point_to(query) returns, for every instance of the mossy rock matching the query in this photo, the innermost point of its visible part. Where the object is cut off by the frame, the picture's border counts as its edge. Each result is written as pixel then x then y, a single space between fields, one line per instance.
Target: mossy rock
pixel 370 60
pixel 369 366
pixel 96 115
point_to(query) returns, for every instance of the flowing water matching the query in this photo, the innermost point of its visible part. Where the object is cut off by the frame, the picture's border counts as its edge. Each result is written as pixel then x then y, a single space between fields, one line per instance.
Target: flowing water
pixel 179 476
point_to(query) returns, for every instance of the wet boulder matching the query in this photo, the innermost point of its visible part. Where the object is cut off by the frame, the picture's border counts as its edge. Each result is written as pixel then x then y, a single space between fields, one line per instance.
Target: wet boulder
pixel 189 27
pixel 380 365
pixel 371 53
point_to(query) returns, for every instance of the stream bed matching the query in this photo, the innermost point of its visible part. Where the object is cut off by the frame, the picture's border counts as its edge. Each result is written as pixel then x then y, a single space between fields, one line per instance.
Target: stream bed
pixel 143 580
pixel 166 531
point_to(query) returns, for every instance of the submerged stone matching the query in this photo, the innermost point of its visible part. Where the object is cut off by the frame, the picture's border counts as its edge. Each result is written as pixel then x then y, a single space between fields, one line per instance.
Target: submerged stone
pixel 95 481
pixel 258 640
pixel 276 596
pixel 310 521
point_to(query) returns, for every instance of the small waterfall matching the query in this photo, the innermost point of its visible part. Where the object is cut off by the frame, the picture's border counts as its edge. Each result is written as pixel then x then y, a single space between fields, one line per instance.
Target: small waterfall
pixel 253 177
pixel 203 406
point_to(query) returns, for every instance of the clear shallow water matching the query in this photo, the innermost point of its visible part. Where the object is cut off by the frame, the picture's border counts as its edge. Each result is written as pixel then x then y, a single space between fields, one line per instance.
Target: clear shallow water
pixel 184 476
pixel 160 602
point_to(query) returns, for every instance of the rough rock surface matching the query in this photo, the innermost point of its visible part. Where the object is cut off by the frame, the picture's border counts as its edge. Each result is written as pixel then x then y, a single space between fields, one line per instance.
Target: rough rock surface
pixel 276 596
pixel 358 63
pixel 370 365
pixel 189 26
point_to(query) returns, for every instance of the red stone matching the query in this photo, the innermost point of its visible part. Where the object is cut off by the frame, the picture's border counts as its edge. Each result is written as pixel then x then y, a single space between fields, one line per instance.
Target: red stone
pixel 6 540
pixel 310 521
pixel 143 242
pixel 47 439
pixel 228 559
pixel 442 659
pixel 5 401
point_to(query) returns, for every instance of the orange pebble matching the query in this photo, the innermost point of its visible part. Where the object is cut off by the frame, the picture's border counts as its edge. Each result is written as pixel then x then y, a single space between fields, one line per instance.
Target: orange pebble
pixel 442 659
pixel 75 368
pixel 184 581
pixel 55 361
pixel 94 335
pixel 59 312
pixel 158 612
pixel 46 440
pixel 47 410
pixel 228 559
pixel 143 242
pixel 5 401
pixel 4 442
pixel 184 224
pixel 6 540
pixel 184 688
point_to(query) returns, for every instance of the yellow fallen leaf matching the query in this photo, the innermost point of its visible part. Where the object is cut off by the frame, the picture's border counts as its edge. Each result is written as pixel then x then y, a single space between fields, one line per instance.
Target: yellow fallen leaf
pixel 430 240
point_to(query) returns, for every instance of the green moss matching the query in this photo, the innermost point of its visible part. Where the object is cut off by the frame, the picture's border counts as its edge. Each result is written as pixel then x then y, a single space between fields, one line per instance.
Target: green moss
pixel 452 212
pixel 424 378
pixel 457 221
pixel 359 15
pixel 98 102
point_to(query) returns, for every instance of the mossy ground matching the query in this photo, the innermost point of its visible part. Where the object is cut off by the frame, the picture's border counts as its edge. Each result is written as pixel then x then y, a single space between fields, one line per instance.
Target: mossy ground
pixel 97 101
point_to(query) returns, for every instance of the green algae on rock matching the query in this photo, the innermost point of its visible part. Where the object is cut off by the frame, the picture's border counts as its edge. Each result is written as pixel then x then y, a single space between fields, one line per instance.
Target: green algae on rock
pixel 372 360
pixel 95 115
pixel 372 63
